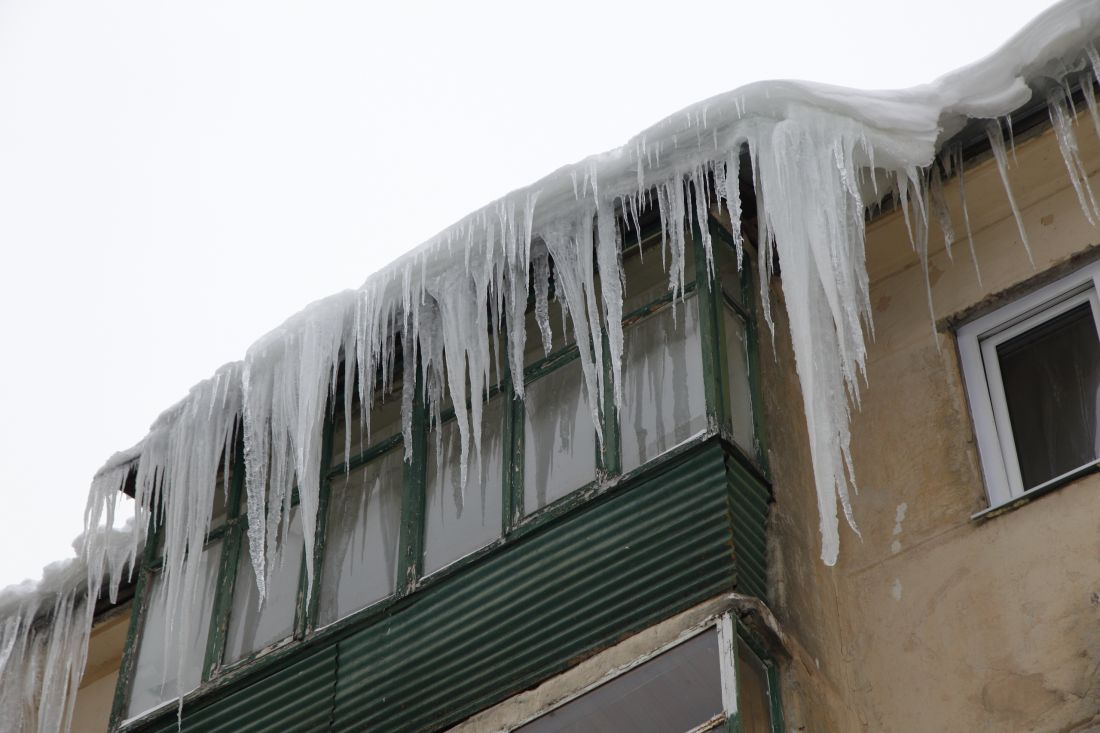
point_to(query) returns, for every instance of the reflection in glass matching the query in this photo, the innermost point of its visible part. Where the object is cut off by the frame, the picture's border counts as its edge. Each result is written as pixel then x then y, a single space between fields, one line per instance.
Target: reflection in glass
pixel 460 521
pixel 559 449
pixel 361 542
pixel 737 374
pixel 252 627
pixel 663 399
pixel 753 700
pixel 1051 377
pixel 385 422
pixel 158 666
pixel 675 691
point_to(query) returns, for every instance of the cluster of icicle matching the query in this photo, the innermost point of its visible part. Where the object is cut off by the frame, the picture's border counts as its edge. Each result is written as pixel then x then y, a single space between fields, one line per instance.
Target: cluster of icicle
pixel 819 157
pixel 44 630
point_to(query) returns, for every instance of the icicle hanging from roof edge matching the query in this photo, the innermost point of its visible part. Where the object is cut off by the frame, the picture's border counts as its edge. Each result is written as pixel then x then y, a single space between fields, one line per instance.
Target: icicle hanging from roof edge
pixel 1063 123
pixel 44 632
pixel 287 380
pixel 997 144
pixel 812 213
pixel 953 161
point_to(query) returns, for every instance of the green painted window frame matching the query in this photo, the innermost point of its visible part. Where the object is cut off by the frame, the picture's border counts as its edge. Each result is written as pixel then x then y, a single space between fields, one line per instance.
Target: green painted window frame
pixel 710 297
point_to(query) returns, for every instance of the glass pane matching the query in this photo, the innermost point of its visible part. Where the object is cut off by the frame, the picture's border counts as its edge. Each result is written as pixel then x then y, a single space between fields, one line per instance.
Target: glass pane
pixel 673 692
pixel 1051 377
pixel 460 521
pixel 645 276
pixel 752 692
pixel 385 422
pixel 157 669
pixel 217 514
pixel 364 524
pixel 561 334
pixel 559 448
pixel 252 627
pixel 725 258
pixel 663 399
pixel 737 374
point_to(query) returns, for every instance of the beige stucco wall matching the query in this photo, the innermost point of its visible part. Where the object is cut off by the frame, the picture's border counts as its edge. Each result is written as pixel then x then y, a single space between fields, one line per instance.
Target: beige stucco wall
pixel 934 621
pixel 97 688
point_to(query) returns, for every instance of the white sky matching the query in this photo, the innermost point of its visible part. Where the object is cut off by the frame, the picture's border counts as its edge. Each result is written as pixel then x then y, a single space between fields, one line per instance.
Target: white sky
pixel 178 178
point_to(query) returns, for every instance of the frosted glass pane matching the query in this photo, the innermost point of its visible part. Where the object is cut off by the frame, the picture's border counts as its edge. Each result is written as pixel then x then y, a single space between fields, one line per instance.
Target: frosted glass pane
pixel 561 334
pixel 156 671
pixel 728 273
pixel 364 524
pixel 673 692
pixel 646 277
pixel 752 692
pixel 251 628
pixel 459 522
pixel 1051 377
pixel 559 448
pixel 663 399
pixel 385 422
pixel 737 374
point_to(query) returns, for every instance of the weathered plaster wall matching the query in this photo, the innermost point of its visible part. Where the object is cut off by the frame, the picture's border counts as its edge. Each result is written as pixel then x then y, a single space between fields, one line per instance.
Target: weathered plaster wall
pixel 934 621
pixel 97 688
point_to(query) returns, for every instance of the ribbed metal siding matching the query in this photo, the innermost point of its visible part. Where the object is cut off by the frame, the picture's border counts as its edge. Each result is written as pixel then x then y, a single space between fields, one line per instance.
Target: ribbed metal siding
pixel 749 502
pixel 539 606
pixel 689 531
pixel 295 698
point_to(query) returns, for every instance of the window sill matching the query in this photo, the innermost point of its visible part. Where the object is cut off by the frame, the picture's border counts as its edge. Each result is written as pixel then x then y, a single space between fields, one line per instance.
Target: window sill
pixel 1033 493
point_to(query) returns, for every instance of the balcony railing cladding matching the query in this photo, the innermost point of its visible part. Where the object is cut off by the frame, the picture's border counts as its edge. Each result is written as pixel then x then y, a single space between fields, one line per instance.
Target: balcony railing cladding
pixel 653 546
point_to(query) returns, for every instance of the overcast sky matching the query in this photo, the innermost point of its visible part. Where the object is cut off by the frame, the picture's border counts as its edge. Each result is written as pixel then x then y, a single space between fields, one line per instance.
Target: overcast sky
pixel 178 178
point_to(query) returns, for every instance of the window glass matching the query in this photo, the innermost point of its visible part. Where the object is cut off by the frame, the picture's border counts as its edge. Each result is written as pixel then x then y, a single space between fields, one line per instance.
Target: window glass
pixel 461 520
pixel 561 333
pixel 385 422
pixel 217 514
pixel 725 259
pixel 664 403
pixel 737 375
pixel 252 627
pixel 645 273
pixel 753 699
pixel 559 448
pixel 1051 377
pixel 362 535
pixel 157 669
pixel 673 692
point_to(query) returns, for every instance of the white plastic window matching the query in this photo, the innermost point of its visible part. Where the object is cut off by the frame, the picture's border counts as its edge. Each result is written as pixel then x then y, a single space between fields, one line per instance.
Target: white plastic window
pixel 664 403
pixel 253 626
pixel 160 674
pixel 363 534
pixel 462 519
pixel 1032 371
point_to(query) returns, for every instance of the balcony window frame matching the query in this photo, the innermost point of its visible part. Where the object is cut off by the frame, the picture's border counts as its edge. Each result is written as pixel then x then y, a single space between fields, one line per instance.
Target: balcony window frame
pixel 732 636
pixel 704 290
pixel 977 341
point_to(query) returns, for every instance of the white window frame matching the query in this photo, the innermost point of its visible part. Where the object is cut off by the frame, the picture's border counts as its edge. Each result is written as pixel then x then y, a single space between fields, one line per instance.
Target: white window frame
pixel 978 341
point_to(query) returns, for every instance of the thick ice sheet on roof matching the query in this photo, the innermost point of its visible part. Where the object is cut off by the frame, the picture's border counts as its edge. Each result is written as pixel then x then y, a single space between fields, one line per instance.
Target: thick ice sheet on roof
pixel 820 156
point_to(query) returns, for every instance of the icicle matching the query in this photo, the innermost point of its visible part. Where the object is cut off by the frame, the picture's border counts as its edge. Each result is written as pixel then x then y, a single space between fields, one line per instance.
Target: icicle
pixel 957 155
pixel 939 208
pixel 1071 156
pixel 997 143
pixel 540 265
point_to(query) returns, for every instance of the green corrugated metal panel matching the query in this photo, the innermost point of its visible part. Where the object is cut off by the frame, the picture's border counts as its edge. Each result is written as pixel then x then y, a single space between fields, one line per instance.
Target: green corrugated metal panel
pixel 295 698
pixel 539 606
pixel 749 502
pixel 525 612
